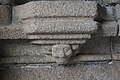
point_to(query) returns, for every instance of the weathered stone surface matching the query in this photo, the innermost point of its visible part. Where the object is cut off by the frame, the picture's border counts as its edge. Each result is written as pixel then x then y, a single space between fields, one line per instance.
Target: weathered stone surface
pixel 61 53
pixel 60 25
pixel 90 71
pixel 118 11
pixel 109 28
pixel 6 1
pixel 11 48
pixel 111 1
pixel 56 8
pixel 116 48
pixel 110 13
pixel 43 59
pixel 20 51
pixel 96 49
pixel 60 36
pixel 53 42
pixel 119 27
pixel 26 60
pixel 5 14
pixel 13 31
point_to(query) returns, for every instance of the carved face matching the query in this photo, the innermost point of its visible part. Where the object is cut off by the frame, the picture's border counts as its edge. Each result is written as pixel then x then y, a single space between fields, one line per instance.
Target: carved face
pixel 61 53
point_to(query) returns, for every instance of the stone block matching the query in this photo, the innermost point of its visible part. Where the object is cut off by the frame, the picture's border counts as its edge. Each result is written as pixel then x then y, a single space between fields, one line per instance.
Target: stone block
pixel 96 49
pixel 17 48
pixel 88 71
pixel 20 51
pixel 26 60
pixel 59 36
pixel 111 1
pixel 5 14
pixel 61 53
pixel 12 31
pixel 118 11
pixel 116 48
pixel 109 28
pixel 60 25
pixel 110 14
pixel 53 42
pixel 55 9
pixel 6 2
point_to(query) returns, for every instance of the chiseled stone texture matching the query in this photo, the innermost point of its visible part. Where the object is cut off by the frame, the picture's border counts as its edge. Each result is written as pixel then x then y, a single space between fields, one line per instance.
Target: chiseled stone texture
pixel 60 36
pixel 50 42
pixel 96 49
pixel 60 25
pixel 55 8
pixel 116 48
pixel 21 48
pixel 5 14
pixel 109 28
pixel 88 71
pixel 110 13
pixel 20 51
pixel 13 31
pixel 6 1
pixel 111 1
pixel 118 11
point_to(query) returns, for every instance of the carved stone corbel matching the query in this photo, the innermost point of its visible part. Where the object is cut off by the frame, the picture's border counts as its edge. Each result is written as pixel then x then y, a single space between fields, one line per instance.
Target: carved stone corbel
pixel 64 25
pixel 61 53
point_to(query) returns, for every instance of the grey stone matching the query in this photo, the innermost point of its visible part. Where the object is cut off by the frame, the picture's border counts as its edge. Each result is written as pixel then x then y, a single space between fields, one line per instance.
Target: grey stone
pixel 53 42
pixel 60 25
pixel 13 31
pixel 90 71
pixel 13 47
pixel 119 27
pixel 118 11
pixel 95 49
pixel 26 60
pixel 116 48
pixel 60 36
pixel 110 13
pixel 109 28
pixel 5 14
pixel 111 1
pixel 20 51
pixel 55 8
pixel 6 1
pixel 61 53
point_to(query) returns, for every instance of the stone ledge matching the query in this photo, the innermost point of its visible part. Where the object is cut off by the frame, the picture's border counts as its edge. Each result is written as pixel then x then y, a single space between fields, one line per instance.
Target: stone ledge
pixel 51 42
pixel 60 25
pixel 60 36
pixel 91 71
pixel 56 8
pixel 43 59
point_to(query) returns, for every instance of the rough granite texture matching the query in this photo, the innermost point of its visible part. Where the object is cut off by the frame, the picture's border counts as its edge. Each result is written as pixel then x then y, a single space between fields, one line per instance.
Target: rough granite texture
pixel 36 36
pixel 116 48
pixel 7 2
pixel 60 36
pixel 88 71
pixel 55 25
pixel 118 11
pixel 109 28
pixel 56 8
pixel 5 14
